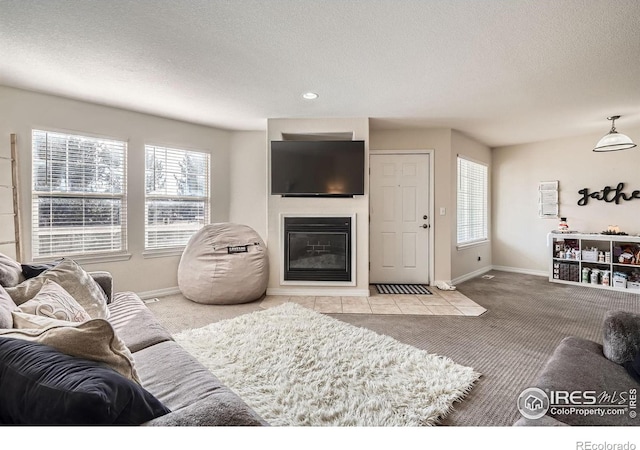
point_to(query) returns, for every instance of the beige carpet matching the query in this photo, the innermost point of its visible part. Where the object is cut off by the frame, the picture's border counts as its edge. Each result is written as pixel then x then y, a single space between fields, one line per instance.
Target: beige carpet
pixel 526 318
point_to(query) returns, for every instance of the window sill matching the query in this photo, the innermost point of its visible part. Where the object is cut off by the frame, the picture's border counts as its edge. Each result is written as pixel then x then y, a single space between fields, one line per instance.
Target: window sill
pixel 472 244
pixel 163 253
pixel 89 259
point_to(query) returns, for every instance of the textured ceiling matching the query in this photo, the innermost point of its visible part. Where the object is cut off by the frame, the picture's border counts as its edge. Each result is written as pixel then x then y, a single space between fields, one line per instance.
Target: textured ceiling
pixel 501 71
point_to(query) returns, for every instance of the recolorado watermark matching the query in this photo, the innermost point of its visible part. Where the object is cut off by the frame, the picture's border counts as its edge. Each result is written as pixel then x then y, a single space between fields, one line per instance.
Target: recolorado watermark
pixel 534 403
pixel 588 445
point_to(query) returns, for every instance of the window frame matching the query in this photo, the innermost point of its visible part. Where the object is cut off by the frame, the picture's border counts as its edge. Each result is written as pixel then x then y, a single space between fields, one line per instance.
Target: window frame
pixel 156 252
pixel 485 238
pixel 35 194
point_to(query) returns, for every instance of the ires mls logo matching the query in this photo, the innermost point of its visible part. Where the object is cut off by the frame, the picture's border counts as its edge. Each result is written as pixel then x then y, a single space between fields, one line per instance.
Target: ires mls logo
pixel 534 403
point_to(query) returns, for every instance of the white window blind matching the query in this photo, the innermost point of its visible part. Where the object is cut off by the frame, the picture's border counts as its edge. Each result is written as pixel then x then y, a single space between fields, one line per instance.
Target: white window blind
pixel 177 196
pixel 472 202
pixel 78 195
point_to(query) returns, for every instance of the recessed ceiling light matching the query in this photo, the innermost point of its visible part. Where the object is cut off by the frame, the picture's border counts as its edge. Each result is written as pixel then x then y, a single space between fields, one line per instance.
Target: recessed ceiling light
pixel 310 96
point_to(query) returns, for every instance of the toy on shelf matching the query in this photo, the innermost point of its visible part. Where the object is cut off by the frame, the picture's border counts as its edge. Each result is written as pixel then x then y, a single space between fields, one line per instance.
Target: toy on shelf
pixel 630 255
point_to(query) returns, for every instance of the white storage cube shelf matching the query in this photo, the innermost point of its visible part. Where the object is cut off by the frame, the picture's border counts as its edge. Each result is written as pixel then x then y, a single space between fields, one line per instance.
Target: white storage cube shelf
pixel 572 253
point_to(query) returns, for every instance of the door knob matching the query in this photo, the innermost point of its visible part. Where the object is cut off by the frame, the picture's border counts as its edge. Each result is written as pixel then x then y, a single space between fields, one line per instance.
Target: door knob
pixel 424 225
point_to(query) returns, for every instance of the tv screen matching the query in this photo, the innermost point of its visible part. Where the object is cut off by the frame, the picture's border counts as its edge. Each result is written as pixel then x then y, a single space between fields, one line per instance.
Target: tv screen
pixel 317 168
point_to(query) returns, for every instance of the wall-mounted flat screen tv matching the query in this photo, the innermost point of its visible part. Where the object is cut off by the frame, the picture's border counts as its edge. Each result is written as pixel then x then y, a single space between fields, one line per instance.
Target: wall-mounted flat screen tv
pixel 317 168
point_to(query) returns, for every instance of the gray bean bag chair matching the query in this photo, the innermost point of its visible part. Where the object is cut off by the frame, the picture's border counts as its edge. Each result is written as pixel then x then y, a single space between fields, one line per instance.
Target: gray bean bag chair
pixel 224 264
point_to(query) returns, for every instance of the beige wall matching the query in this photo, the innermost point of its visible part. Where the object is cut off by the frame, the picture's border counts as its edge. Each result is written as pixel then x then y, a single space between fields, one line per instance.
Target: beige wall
pixel 450 263
pixel 277 205
pixel 22 111
pixel 438 140
pixel 240 181
pixel 519 236
pixel 7 223
pixel 464 261
pixel 248 183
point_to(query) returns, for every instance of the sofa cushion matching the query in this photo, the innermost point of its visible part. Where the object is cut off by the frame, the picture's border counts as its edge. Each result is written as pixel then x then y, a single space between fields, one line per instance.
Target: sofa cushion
pixel 174 376
pixel 135 323
pixel 6 307
pixel 621 336
pixel 55 302
pixel 105 281
pixel 184 385
pixel 74 280
pixel 42 386
pixel 10 272
pixel 578 365
pixel 220 409
pixel 95 340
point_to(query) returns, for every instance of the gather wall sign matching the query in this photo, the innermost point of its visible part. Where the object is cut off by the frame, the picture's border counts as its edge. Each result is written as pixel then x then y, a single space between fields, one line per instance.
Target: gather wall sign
pixel 608 194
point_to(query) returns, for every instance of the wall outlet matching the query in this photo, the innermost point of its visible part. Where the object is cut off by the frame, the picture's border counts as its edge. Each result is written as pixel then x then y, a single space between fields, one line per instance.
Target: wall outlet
pixel 443 211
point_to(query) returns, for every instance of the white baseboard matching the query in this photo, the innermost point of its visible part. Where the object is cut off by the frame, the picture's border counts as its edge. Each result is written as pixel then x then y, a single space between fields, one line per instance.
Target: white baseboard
pixel 468 276
pixel 314 292
pixel 158 293
pixel 484 270
pixel 347 292
pixel 539 273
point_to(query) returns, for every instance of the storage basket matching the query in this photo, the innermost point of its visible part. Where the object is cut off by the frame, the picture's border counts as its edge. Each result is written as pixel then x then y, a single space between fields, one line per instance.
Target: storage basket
pixel 590 255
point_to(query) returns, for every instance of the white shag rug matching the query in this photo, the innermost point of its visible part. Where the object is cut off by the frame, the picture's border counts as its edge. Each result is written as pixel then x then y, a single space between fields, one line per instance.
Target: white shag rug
pixel 296 367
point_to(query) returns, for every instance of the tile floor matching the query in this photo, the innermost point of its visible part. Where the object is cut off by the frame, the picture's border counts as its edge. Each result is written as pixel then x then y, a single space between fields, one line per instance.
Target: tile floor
pixel 441 303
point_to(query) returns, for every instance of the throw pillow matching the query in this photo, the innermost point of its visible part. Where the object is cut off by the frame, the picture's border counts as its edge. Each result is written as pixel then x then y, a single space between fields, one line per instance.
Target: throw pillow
pixel 74 280
pixel 42 386
pixel 6 307
pixel 54 302
pixel 10 272
pixel 33 270
pixel 95 340
pixel 621 336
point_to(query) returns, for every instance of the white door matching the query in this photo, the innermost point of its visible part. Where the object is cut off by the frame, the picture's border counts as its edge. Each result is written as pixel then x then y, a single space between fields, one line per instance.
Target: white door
pixel 399 218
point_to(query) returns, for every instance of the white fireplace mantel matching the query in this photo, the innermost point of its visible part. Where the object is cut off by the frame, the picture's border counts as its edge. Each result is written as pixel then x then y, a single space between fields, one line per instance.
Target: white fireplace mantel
pixel 337 284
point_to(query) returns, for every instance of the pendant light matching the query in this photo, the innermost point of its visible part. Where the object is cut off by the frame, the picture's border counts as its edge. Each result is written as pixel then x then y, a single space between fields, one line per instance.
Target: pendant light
pixel 613 140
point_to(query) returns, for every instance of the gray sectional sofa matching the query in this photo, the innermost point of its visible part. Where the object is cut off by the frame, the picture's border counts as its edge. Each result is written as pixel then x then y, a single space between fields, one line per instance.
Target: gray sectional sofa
pixel 194 396
pixel 596 376
pixel 192 393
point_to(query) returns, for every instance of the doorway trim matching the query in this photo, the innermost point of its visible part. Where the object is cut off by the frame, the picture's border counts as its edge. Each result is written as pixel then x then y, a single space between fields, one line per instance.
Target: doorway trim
pixel 431 235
